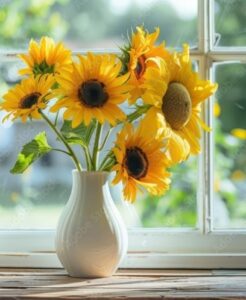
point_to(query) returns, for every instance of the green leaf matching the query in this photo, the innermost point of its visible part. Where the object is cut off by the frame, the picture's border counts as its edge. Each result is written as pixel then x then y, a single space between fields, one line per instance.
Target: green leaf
pixel 72 138
pixel 31 152
pixel 80 135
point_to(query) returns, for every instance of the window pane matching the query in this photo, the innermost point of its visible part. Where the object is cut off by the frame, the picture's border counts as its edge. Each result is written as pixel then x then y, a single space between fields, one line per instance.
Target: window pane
pixel 95 23
pixel 230 147
pixel 230 22
pixel 177 208
pixel 35 199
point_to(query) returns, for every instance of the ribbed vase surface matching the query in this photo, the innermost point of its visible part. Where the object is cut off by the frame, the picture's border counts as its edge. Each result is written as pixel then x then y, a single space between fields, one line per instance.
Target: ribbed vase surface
pixel 91 238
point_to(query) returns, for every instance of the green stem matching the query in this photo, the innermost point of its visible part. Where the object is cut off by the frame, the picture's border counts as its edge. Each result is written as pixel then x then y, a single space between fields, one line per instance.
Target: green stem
pixel 96 144
pixel 106 138
pixel 106 158
pixel 103 163
pixel 138 113
pixel 88 158
pixel 60 150
pixel 56 118
pixel 70 150
pixel 109 165
pixel 89 131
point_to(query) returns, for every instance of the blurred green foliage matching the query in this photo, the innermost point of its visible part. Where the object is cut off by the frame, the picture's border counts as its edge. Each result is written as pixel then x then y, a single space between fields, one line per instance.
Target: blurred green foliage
pixel 22 20
pixel 83 21
pixel 230 22
pixel 178 206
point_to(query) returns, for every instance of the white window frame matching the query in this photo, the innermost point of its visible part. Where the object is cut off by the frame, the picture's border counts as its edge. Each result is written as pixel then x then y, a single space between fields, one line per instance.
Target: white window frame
pixel 202 247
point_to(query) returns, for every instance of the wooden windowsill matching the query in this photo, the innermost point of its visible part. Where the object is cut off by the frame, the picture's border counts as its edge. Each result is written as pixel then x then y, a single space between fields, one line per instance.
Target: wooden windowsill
pixel 126 284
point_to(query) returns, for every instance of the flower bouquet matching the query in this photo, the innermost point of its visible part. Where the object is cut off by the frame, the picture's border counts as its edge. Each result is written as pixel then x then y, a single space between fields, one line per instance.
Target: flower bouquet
pixel 151 96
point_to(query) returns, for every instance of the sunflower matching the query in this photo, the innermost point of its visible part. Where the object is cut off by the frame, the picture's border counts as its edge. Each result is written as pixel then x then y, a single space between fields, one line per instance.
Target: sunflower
pixel 92 89
pixel 140 158
pixel 46 58
pixel 25 99
pixel 138 56
pixel 177 93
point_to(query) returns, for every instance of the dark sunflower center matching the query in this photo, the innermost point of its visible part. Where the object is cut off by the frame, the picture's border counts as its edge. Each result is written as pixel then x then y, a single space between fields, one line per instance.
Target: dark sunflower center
pixel 140 68
pixel 136 162
pixel 176 105
pixel 29 100
pixel 92 93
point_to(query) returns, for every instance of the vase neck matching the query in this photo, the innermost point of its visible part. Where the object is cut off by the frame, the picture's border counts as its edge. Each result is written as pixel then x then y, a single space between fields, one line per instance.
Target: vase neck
pixel 90 178
pixel 90 186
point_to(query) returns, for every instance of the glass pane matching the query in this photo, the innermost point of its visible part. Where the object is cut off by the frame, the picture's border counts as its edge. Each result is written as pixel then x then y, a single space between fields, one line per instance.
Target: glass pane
pixel 95 23
pixel 35 199
pixel 177 208
pixel 230 22
pixel 230 147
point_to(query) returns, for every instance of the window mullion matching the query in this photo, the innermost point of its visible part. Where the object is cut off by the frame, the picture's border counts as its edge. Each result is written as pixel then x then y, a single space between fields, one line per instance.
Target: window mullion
pixel 227 56
pixel 205 160
pixel 209 136
pixel 202 26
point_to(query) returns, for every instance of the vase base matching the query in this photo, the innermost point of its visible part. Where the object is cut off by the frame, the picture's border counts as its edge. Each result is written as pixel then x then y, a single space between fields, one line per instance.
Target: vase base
pixel 89 276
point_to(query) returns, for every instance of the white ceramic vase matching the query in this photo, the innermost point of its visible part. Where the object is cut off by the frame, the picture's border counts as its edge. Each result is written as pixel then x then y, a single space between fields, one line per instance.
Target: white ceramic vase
pixel 91 238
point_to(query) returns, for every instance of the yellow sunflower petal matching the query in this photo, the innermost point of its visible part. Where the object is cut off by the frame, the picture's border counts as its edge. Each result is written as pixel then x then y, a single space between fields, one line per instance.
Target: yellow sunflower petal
pixel 78 83
pixel 146 148
pixel 239 133
pixel 176 91
pixel 142 55
pixel 46 58
pixel 26 98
